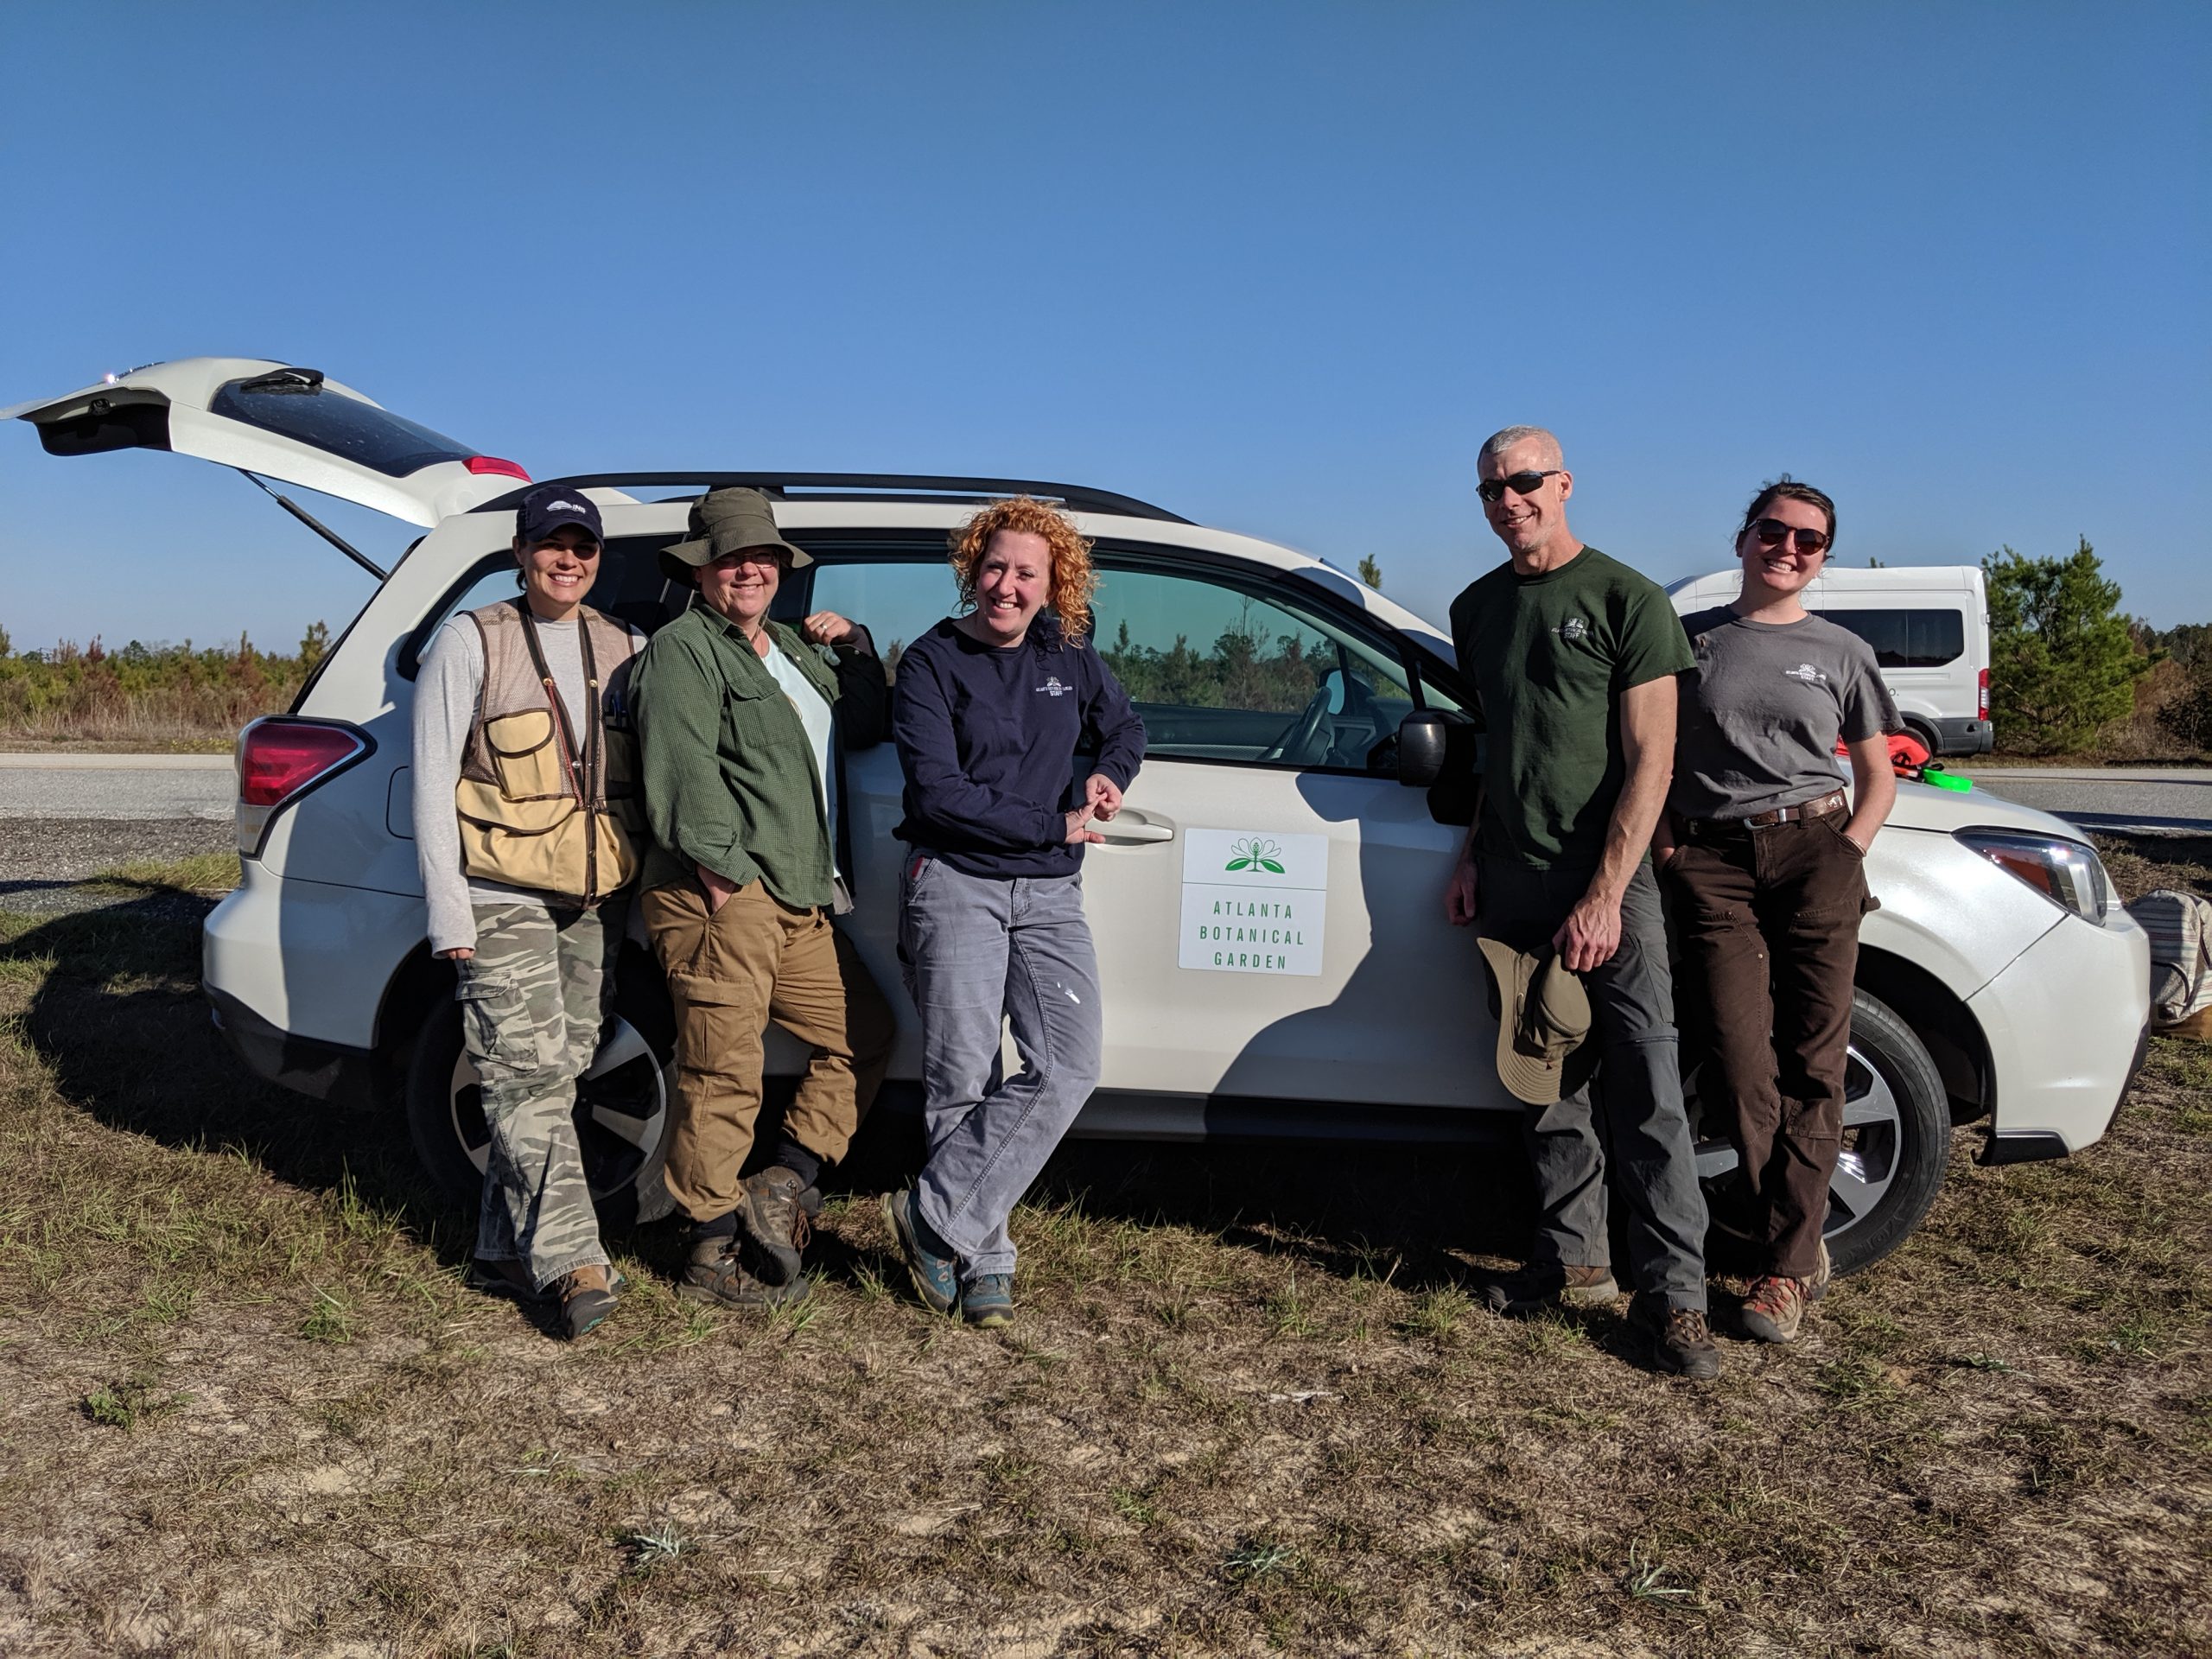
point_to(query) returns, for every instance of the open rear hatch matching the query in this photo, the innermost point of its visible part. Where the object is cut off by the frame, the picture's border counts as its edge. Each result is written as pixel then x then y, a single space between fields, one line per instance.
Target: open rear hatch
pixel 274 420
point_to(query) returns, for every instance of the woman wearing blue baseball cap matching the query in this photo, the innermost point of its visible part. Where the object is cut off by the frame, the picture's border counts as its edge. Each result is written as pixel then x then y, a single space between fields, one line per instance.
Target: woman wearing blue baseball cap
pixel 526 830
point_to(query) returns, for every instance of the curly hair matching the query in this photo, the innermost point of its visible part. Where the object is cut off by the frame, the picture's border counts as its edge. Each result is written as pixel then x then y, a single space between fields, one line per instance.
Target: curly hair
pixel 1072 582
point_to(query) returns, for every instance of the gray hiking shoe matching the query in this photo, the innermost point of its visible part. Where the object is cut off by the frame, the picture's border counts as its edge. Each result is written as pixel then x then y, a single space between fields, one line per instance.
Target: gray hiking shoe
pixel 1535 1288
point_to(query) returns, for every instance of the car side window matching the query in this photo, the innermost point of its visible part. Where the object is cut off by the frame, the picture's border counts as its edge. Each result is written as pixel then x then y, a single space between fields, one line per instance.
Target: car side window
pixel 630 587
pixel 1220 673
pixel 897 601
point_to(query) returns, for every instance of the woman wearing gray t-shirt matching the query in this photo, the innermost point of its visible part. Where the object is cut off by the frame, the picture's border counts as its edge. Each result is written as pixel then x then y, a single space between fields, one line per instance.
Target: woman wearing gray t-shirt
pixel 1764 852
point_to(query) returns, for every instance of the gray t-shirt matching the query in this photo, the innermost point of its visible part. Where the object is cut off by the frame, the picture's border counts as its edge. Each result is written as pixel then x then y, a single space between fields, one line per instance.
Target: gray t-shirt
pixel 1763 709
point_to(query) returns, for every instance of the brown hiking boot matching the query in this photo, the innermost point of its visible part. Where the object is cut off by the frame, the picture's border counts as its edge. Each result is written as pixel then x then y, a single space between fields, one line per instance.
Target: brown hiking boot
pixel 772 1210
pixel 714 1274
pixel 1536 1287
pixel 1680 1343
pixel 588 1296
pixel 1817 1286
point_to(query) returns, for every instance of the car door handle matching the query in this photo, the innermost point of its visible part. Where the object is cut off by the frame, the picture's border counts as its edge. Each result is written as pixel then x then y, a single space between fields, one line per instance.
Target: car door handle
pixel 1125 829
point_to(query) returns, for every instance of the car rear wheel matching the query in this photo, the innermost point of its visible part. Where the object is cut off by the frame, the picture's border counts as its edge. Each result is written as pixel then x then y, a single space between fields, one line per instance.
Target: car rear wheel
pixel 621 1117
pixel 1897 1138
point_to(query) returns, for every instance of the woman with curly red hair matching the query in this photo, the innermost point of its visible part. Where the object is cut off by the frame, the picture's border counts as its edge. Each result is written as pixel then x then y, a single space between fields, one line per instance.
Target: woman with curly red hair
pixel 993 707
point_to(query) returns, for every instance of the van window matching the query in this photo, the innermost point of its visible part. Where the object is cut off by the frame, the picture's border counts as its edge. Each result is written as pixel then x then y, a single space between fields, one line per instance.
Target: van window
pixel 1918 639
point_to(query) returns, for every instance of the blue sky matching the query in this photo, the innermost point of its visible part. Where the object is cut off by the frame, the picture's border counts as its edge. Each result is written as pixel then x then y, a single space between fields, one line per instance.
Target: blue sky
pixel 1279 268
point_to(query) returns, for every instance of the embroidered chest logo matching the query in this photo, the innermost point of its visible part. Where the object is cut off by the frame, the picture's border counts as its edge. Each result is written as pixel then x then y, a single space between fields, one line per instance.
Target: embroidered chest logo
pixel 1806 673
pixel 1574 628
pixel 1052 688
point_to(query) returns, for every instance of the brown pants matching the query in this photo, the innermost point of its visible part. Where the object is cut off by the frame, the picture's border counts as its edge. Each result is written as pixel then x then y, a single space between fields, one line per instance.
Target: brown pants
pixel 730 973
pixel 1769 923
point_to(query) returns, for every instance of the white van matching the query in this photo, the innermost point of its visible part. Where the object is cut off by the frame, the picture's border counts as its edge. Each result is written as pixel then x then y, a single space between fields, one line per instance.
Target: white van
pixel 1929 628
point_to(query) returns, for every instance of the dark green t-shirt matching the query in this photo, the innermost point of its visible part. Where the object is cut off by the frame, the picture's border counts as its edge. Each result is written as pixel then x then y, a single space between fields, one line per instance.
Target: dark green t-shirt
pixel 1549 657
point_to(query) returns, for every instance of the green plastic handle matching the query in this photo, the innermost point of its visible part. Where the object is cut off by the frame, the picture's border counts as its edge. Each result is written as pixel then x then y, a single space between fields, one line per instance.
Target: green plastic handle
pixel 1946 780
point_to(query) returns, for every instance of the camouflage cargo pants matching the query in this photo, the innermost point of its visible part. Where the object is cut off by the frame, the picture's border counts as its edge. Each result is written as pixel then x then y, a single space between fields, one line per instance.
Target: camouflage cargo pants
pixel 533 999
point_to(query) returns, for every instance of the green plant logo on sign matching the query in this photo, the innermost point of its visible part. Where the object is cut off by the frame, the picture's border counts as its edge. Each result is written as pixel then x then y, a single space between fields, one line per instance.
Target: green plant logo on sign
pixel 1254 853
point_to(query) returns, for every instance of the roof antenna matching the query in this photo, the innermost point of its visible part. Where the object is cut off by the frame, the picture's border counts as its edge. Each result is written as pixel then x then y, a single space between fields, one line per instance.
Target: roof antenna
pixel 318 527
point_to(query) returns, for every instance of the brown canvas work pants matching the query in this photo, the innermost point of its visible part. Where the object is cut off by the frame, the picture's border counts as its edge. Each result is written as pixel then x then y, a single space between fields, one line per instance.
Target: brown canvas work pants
pixel 730 973
pixel 1768 919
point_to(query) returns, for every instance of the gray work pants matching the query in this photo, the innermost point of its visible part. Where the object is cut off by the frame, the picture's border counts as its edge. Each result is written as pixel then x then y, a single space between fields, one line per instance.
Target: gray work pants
pixel 977 949
pixel 1628 1118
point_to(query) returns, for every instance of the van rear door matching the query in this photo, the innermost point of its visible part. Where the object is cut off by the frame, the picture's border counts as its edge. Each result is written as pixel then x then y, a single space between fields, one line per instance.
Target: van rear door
pixel 280 420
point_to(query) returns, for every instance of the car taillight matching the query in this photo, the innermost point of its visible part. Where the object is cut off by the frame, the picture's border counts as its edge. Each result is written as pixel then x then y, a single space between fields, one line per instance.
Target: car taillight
pixel 1981 694
pixel 495 466
pixel 280 758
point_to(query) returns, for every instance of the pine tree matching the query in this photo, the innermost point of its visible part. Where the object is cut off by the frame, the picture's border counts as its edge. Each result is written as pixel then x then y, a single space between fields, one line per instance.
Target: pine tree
pixel 2062 662
pixel 1370 572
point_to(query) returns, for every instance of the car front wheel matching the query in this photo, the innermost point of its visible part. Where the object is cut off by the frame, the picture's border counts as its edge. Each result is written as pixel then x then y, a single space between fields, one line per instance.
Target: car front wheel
pixel 1897 1138
pixel 621 1115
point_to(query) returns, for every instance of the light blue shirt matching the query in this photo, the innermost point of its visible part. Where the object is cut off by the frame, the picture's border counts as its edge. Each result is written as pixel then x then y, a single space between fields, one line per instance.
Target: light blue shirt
pixel 814 714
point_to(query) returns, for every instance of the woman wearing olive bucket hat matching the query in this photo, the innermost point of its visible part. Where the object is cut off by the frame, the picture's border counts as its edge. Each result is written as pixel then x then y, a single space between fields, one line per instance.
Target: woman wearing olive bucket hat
pixel 742 721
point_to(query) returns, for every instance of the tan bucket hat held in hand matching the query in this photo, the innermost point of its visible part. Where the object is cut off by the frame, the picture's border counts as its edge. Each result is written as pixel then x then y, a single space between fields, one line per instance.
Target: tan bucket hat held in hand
pixel 727 521
pixel 1543 1017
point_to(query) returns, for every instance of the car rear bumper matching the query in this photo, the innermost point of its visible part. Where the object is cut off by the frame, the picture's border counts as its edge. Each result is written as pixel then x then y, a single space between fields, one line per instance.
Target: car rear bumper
pixel 297 972
pixel 2065 1026
pixel 329 1072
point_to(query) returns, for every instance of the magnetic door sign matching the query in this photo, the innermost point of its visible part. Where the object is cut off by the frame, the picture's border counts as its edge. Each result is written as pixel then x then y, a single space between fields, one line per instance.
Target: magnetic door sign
pixel 1253 903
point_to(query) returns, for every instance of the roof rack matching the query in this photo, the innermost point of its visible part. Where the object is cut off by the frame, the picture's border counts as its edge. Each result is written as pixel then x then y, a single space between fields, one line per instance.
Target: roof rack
pixel 883 486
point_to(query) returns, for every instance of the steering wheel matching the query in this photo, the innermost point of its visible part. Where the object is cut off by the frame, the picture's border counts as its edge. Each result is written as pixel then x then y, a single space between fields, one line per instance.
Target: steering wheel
pixel 1307 733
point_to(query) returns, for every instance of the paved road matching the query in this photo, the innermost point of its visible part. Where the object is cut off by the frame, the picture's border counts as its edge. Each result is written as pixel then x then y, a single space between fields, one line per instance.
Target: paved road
pixel 2140 800
pixel 2156 800
pixel 113 787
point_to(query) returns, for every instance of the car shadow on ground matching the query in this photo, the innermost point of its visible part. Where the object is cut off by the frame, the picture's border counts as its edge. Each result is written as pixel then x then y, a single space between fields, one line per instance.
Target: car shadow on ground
pixel 119 1018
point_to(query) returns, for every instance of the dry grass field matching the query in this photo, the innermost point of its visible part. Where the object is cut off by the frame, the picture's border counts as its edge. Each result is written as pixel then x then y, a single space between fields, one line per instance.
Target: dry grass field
pixel 1249 1406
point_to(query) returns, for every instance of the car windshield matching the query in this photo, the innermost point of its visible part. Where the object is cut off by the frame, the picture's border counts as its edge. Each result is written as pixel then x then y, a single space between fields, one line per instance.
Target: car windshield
pixel 309 413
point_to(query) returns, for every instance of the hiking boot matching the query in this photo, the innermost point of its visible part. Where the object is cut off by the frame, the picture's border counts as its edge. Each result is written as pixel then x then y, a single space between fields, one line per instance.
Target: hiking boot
pixel 771 1212
pixel 504 1278
pixel 1773 1307
pixel 987 1301
pixel 930 1261
pixel 1541 1286
pixel 588 1296
pixel 715 1273
pixel 1680 1342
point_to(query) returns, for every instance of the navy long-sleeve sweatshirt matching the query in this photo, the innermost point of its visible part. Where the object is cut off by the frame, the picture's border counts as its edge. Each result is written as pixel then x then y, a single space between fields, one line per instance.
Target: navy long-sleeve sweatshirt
pixel 988 737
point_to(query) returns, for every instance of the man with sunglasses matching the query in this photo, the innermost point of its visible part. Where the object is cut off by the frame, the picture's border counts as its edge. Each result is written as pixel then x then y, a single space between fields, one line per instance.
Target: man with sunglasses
pixel 743 720
pixel 1573 658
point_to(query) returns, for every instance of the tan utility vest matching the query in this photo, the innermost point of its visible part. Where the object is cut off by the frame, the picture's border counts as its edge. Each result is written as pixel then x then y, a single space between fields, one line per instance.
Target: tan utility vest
pixel 542 806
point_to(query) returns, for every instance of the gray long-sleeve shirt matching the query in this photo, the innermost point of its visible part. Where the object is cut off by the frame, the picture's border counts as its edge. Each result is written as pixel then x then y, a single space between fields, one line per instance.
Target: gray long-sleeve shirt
pixel 448 689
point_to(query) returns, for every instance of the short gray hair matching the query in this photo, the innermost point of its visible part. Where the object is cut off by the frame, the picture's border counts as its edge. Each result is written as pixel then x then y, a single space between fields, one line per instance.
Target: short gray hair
pixel 1498 443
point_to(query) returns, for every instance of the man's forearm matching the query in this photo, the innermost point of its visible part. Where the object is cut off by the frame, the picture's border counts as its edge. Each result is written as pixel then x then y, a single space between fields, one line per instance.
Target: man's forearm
pixel 1635 815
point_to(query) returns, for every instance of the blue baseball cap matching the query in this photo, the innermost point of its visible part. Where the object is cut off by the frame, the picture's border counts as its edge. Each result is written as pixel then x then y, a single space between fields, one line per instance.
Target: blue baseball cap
pixel 550 506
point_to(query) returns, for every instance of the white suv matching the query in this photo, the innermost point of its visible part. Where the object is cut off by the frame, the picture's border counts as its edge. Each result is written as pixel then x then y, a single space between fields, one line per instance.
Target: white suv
pixel 1268 906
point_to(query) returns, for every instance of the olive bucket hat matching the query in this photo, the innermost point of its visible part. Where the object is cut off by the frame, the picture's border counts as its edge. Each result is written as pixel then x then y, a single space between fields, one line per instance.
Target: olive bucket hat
pixel 725 521
pixel 1543 1017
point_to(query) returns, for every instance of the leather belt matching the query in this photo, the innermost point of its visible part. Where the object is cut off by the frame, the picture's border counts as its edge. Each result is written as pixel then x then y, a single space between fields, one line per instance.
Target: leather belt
pixel 1833 802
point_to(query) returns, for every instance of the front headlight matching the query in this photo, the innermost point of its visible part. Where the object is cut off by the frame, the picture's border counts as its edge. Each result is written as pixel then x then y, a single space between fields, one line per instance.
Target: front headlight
pixel 2065 871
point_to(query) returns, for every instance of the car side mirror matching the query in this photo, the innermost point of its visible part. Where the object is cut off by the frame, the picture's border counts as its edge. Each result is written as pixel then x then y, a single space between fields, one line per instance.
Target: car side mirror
pixel 1424 744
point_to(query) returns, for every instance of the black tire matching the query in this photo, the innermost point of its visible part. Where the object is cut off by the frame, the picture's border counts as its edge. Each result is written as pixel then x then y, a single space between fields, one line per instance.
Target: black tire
pixel 1925 734
pixel 1897 1139
pixel 624 1170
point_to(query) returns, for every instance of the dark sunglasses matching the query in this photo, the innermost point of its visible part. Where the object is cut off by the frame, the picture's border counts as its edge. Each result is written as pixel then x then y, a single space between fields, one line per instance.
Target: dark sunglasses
pixel 1494 489
pixel 1772 532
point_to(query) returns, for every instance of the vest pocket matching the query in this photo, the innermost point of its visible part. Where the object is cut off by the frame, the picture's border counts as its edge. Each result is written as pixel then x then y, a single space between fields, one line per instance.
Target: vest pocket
pixel 526 756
